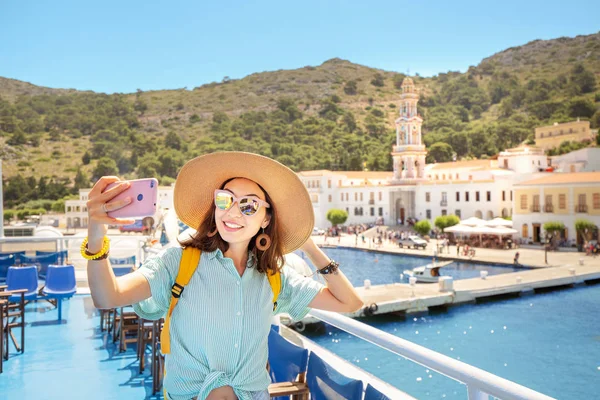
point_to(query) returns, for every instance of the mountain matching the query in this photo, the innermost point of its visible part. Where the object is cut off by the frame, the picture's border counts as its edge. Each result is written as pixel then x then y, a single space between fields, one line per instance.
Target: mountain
pixel 337 115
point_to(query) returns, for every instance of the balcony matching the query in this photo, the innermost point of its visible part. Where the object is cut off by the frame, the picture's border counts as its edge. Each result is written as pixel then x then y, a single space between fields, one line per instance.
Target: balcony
pixel 581 208
pixel 548 208
pixel 535 208
pixel 444 203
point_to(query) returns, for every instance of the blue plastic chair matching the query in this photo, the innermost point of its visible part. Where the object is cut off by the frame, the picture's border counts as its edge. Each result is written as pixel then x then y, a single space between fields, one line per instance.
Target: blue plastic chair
pixel 122 266
pixel 5 262
pixel 22 278
pixel 325 383
pixel 42 261
pixel 62 255
pixel 60 284
pixel 373 394
pixel 287 362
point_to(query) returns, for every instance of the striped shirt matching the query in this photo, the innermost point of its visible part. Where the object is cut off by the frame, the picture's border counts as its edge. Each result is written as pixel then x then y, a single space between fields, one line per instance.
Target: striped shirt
pixel 220 326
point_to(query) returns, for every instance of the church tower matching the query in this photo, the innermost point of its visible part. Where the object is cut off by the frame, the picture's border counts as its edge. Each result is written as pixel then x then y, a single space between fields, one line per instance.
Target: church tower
pixel 409 152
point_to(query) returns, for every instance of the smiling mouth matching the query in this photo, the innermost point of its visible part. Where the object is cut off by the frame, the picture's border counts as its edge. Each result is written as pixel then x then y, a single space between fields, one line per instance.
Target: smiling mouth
pixel 232 225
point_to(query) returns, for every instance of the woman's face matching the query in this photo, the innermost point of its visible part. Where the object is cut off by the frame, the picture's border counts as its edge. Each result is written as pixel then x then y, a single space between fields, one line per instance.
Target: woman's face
pixel 235 227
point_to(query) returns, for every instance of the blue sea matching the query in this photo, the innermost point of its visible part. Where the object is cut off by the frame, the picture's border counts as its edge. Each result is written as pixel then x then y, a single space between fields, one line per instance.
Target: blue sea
pixel 549 342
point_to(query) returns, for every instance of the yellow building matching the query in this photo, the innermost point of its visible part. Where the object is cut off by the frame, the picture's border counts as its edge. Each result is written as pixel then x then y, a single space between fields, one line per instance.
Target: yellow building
pixel 560 197
pixel 548 137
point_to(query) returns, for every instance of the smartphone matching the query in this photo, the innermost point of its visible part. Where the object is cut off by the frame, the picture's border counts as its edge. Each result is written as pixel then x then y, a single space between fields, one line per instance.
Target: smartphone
pixel 144 198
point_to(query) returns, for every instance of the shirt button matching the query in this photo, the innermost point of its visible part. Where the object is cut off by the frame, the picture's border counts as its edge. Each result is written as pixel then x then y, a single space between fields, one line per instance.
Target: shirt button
pixel 236 345
pixel 238 283
pixel 239 313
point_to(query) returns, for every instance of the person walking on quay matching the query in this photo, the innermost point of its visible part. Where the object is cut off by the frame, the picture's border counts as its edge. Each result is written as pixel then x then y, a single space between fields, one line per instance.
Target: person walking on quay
pixel 248 211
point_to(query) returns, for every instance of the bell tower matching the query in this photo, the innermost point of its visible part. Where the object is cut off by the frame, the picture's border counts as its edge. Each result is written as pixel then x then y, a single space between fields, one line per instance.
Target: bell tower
pixel 409 152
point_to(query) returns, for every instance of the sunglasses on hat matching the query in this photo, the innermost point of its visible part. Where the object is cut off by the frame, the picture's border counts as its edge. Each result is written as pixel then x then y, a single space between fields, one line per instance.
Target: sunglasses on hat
pixel 249 205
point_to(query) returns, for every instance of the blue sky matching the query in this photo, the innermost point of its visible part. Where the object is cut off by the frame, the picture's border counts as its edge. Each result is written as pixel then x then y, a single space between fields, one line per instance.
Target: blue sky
pixel 120 46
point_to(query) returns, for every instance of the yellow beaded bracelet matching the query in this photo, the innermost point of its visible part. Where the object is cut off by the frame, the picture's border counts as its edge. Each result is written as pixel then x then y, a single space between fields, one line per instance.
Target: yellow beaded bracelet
pixel 102 254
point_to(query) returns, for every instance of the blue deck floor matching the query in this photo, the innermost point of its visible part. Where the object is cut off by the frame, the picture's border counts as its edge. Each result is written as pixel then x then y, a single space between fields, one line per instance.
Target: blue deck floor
pixel 72 360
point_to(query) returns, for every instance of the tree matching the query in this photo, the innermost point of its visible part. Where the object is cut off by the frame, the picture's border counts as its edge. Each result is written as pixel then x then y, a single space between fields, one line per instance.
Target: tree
pixel 336 216
pixel 581 107
pixel 445 221
pixel 585 228
pixel 377 80
pixel 104 167
pixel 86 158
pixel 441 152
pixel 422 227
pixel 9 214
pixel 81 180
pixel 350 88
pixel 583 80
pixel 173 141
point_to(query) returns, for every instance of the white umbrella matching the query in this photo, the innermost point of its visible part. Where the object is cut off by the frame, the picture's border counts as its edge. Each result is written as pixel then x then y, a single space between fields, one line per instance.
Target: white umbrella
pixel 460 228
pixel 503 230
pixel 497 222
pixel 473 221
pixel 485 230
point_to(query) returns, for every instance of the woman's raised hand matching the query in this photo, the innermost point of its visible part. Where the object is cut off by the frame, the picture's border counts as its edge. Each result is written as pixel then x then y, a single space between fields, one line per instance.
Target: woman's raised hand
pixel 99 204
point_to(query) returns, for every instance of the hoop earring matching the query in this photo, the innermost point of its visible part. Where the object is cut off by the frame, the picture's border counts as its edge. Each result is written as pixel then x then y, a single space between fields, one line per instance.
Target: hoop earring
pixel 213 233
pixel 259 241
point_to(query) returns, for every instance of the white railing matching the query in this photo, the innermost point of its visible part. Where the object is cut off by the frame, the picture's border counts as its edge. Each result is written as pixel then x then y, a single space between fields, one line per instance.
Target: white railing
pixel 480 384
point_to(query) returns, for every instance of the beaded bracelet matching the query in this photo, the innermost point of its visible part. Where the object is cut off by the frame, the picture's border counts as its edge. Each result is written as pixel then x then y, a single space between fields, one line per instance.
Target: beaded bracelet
pixel 101 255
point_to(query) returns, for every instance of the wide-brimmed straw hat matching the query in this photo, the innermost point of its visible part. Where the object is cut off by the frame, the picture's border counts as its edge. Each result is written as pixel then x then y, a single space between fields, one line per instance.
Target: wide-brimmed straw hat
pixel 200 177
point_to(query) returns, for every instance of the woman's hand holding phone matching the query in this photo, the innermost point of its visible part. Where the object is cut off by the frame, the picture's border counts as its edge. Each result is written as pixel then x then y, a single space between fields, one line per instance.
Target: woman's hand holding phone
pixel 99 204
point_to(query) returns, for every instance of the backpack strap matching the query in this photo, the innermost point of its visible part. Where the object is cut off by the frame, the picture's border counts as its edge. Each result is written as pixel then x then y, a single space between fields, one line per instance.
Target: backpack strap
pixel 275 282
pixel 187 267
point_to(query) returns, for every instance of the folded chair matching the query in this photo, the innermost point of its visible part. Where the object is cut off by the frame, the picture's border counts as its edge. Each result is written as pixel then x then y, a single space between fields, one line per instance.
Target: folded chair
pixel 287 368
pixel 3 303
pixel 60 284
pixel 373 394
pixel 325 383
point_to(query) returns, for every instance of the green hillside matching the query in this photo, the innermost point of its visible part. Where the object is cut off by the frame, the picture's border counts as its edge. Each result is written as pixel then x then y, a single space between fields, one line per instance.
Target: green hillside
pixel 338 115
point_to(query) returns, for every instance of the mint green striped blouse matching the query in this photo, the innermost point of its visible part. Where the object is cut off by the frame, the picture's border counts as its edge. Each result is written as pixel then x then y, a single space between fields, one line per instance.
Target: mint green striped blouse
pixel 220 327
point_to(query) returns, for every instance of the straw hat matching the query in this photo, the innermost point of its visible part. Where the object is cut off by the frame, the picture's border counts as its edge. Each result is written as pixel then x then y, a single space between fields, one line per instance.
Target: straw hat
pixel 198 179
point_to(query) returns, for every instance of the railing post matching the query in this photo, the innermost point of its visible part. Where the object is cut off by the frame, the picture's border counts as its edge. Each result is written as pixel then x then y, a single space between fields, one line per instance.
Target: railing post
pixel 476 394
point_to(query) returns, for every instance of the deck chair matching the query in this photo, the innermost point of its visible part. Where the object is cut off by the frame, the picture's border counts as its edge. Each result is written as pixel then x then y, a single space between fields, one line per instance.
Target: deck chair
pixel 21 287
pixel 373 394
pixel 325 383
pixel 42 262
pixel 287 368
pixel 62 255
pixel 60 284
pixel 6 261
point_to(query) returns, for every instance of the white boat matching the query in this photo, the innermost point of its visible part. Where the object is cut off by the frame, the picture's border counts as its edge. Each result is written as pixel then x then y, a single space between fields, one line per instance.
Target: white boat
pixel 429 273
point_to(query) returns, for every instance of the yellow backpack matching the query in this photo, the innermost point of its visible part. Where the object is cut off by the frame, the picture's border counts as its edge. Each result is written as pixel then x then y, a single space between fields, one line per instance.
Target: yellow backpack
pixel 187 267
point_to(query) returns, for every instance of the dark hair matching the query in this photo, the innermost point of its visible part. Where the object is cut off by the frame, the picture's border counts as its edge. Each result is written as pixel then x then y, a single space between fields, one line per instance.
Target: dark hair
pixel 269 260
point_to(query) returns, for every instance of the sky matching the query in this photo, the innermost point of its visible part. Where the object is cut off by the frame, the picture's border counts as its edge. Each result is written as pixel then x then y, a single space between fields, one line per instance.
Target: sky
pixel 121 46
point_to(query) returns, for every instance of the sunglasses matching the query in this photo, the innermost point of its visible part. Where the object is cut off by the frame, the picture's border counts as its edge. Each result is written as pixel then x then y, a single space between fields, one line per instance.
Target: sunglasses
pixel 249 205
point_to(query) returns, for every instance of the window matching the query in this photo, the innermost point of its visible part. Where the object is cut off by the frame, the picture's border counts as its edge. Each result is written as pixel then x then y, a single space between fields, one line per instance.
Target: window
pixel 355 210
pixel 329 183
pixel 361 196
pixel 341 196
pixel 504 195
pixel 457 213
pixel 456 176
pixel 355 196
pixel 444 201
pixel 372 211
pixel 348 211
pixel 428 214
pixel 523 202
pixel 444 212
pixel 330 198
pixel 318 184
pixel 380 196
pixel 596 200
pixel 476 196
pixel 427 197
pixel 470 177
pixel 562 201
pixel 488 196
pixel 381 211
pixel 347 195
pixel 466 196
pixel 372 196
pixel 582 201
pixel 548 199
pixel 506 163
pixel 457 196
pixel 511 195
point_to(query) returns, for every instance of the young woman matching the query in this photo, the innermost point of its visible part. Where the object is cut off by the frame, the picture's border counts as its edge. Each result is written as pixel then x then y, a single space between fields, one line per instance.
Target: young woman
pixel 249 211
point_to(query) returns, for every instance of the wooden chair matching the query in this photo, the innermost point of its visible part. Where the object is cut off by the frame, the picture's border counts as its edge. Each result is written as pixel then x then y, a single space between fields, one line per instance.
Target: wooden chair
pixel 127 328
pixel 157 358
pixel 13 316
pixel 3 303
pixel 144 338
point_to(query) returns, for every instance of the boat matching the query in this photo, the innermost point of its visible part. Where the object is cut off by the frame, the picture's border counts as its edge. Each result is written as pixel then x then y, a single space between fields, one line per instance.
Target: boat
pixel 429 273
